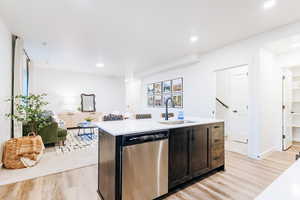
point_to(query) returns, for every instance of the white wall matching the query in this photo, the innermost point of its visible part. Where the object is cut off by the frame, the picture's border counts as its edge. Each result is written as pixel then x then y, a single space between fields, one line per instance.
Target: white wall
pixel 5 83
pixel 198 100
pixel 270 102
pixel 199 81
pixel 64 89
pixel 132 96
pixel 289 59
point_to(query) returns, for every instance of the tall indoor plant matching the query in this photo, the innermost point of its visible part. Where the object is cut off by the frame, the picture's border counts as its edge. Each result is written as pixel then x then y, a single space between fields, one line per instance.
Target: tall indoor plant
pixel 29 110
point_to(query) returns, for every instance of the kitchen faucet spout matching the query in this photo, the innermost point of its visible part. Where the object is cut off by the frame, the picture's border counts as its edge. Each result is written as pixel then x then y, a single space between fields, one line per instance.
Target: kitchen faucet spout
pixel 167 108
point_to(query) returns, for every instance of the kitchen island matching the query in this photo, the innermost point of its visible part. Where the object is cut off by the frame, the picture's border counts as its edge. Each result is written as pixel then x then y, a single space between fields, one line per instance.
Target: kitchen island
pixel 148 159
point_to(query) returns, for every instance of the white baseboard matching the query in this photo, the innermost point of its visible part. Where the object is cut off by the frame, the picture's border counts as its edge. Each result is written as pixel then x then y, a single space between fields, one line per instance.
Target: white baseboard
pixel 267 152
pixel 296 139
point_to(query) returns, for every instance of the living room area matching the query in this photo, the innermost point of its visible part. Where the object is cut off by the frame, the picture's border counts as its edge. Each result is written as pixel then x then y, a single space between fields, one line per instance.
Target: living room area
pixel 60 105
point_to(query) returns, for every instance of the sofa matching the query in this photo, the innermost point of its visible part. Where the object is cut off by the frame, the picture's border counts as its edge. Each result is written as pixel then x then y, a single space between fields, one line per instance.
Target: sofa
pixel 50 134
pixel 53 134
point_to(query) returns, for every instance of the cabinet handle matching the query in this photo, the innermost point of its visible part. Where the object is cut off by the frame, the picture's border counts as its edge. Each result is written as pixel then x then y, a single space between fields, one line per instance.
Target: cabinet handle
pixel 216 126
pixel 217 140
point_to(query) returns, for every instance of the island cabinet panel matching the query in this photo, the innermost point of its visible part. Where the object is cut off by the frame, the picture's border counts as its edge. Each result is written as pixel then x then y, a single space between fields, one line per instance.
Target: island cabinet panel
pixel 217 145
pixel 194 151
pixel 107 166
pixel 199 150
pixel 178 156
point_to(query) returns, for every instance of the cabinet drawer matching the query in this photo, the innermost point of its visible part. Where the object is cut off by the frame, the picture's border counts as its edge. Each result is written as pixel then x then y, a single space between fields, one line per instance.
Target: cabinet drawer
pixel 217 157
pixel 217 133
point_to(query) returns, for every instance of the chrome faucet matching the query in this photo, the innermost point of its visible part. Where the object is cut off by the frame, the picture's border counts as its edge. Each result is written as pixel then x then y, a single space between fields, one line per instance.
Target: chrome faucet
pixel 167 112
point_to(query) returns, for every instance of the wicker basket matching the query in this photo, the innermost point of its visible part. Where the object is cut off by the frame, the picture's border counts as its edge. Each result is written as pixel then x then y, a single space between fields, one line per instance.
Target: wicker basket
pixel 22 152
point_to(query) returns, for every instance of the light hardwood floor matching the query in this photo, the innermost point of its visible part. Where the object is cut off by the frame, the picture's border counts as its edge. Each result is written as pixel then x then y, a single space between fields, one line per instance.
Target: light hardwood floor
pixel 243 179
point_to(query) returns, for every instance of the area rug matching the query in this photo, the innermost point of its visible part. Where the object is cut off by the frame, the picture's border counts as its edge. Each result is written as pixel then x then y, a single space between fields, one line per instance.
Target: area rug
pixel 79 151
pixel 75 142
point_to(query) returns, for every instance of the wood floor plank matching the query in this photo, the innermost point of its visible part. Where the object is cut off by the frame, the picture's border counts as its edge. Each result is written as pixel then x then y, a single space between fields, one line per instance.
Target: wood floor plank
pixel 243 179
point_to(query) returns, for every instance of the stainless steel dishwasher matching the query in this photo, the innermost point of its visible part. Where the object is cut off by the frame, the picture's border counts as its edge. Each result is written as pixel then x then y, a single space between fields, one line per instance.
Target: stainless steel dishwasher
pixel 145 166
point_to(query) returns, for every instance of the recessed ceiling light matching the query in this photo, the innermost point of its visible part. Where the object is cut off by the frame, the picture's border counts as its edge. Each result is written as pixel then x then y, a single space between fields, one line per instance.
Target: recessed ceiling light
pixel 194 39
pixel 99 65
pixel 269 4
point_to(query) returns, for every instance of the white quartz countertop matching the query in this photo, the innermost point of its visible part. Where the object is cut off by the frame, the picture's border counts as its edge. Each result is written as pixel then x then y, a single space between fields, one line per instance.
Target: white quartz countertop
pixel 286 186
pixel 126 127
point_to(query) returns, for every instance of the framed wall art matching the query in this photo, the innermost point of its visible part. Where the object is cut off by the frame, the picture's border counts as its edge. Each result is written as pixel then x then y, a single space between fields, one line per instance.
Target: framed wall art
pixel 165 97
pixel 167 86
pixel 150 89
pixel 158 101
pixel 177 99
pixel 157 88
pixel 159 92
pixel 177 85
pixel 150 101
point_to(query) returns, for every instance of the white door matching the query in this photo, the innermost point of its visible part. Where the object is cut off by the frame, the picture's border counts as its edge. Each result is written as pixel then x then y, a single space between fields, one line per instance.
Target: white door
pixel 287 117
pixel 239 105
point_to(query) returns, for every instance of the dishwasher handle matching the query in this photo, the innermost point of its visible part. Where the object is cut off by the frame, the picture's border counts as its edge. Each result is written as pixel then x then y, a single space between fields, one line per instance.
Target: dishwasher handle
pixel 142 138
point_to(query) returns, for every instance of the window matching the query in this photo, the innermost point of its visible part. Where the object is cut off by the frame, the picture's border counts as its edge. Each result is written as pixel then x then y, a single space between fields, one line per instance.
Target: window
pixel 25 74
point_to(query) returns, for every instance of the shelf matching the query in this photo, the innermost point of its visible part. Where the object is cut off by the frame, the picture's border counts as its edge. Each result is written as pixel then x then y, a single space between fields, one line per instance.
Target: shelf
pixel 296 126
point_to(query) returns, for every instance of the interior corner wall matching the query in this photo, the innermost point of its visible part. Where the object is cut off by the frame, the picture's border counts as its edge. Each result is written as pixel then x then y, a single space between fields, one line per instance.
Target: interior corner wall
pixel 270 80
pixel 63 89
pixel 132 96
pixel 5 83
pixel 200 86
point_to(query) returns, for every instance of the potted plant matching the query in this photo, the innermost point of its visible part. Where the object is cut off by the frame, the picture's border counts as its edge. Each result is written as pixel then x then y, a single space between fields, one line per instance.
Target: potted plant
pixel 89 119
pixel 29 111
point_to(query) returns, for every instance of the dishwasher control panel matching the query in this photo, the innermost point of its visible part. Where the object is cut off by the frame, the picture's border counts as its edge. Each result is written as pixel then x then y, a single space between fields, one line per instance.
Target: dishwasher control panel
pixel 144 137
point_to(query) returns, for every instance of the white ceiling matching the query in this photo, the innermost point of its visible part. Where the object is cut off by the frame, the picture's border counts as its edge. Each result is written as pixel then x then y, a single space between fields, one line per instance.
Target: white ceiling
pixel 135 35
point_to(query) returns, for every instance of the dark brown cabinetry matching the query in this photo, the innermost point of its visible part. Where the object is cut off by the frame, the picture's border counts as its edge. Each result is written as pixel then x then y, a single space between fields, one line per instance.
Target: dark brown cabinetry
pixel 199 150
pixel 217 145
pixel 178 156
pixel 194 151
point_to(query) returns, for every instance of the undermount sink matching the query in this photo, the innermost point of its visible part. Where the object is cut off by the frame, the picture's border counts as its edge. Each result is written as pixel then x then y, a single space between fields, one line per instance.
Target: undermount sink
pixel 173 122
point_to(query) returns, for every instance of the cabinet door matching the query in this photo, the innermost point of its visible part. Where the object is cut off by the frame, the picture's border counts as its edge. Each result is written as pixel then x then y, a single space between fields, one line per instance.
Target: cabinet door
pixel 178 156
pixel 199 149
pixel 217 145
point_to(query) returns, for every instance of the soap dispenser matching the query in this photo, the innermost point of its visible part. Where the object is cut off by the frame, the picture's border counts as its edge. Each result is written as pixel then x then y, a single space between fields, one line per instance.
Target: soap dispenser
pixel 180 115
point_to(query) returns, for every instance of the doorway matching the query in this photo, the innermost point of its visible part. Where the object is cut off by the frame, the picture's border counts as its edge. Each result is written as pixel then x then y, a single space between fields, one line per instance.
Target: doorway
pixel 291 107
pixel 286 57
pixel 232 96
